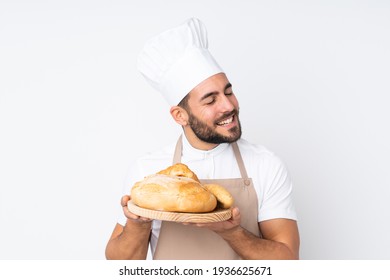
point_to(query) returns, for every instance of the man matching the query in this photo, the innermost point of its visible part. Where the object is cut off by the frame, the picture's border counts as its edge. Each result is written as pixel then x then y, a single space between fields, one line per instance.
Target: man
pixel 263 223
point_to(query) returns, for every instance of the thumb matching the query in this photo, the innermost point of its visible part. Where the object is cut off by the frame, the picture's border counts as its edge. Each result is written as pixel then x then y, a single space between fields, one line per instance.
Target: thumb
pixel 235 213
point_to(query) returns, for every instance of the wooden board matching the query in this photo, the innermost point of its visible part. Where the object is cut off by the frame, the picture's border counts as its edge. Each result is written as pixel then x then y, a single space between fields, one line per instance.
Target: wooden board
pixel 214 216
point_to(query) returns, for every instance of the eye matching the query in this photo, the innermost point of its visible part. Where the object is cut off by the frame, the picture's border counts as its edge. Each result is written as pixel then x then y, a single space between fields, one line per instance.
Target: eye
pixel 229 90
pixel 229 93
pixel 210 100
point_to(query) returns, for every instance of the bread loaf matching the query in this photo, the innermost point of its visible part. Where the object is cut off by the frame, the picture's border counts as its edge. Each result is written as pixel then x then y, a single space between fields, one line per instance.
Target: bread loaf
pixel 224 198
pixel 177 189
pixel 173 194
pixel 179 170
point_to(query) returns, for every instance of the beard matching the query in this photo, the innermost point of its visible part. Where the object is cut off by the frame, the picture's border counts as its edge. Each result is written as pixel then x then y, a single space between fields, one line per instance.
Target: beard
pixel 208 134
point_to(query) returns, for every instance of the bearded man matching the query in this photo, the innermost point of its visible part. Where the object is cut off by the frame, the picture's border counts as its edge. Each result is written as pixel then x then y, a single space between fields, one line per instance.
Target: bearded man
pixel 263 223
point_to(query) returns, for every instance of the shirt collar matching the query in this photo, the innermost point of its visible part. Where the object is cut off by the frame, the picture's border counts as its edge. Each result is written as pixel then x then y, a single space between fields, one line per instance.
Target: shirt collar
pixel 189 151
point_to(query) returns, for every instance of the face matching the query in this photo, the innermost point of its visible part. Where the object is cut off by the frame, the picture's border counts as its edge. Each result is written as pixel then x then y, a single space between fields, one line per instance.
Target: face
pixel 213 111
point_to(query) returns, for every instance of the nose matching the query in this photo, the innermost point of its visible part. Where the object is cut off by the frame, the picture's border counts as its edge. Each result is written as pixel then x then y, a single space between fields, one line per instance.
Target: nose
pixel 227 103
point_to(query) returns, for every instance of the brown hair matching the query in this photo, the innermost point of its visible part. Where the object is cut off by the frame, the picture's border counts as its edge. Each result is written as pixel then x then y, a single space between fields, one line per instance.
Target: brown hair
pixel 184 103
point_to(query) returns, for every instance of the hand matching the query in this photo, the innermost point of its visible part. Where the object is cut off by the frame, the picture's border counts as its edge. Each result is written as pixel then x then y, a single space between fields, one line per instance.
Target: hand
pixel 129 215
pixel 224 226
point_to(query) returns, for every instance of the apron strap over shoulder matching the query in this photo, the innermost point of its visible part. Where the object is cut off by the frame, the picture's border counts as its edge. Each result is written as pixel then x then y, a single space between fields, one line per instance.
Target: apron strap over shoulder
pixel 239 160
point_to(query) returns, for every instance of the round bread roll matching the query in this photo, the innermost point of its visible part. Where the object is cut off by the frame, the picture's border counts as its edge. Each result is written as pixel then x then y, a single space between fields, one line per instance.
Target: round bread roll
pixel 173 194
pixel 224 198
pixel 179 170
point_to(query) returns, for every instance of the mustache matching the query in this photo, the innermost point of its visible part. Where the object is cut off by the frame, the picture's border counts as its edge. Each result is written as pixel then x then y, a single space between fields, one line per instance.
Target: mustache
pixel 227 115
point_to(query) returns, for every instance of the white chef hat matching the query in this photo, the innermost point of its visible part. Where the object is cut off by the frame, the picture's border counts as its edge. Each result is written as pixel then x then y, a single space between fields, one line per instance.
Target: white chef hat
pixel 177 60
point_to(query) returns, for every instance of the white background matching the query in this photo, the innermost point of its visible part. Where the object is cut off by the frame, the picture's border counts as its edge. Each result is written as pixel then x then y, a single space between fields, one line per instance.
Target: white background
pixel 312 78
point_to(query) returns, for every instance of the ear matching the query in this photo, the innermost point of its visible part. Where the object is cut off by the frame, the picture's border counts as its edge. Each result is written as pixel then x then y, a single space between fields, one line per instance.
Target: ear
pixel 179 115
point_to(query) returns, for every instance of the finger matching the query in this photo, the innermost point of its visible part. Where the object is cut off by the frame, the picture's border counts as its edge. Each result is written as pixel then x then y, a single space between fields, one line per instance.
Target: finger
pixel 129 215
pixel 144 219
pixel 235 213
pixel 124 200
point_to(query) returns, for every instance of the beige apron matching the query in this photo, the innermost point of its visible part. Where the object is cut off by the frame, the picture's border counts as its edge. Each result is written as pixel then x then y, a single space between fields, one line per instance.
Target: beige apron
pixel 177 241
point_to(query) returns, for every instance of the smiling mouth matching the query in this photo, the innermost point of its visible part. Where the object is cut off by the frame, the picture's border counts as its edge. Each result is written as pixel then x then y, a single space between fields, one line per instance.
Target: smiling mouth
pixel 226 121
